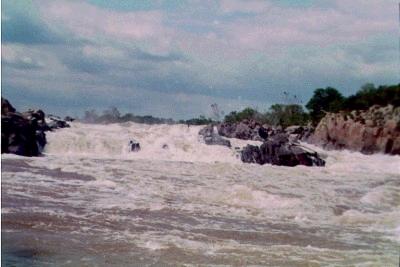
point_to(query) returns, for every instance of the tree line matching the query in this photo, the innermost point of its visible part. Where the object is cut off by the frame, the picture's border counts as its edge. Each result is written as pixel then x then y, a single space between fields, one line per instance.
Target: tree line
pixel 324 100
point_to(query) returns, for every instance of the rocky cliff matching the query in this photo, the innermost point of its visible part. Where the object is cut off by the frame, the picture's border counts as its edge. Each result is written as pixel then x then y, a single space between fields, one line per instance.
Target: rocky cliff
pixel 376 130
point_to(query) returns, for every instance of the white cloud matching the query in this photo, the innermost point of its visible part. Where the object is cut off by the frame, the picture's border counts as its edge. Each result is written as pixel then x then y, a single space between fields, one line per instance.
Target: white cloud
pixel 249 6
pixel 197 55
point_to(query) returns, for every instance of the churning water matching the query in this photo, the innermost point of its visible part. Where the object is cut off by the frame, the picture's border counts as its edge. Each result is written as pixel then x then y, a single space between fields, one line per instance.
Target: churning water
pixel 179 202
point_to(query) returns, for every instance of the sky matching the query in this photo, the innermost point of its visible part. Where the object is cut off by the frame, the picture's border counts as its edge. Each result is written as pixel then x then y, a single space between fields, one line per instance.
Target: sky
pixel 174 58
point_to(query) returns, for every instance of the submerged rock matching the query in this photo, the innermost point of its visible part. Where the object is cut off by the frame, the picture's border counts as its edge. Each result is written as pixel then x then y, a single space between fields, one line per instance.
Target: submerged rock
pixel 212 138
pixel 134 146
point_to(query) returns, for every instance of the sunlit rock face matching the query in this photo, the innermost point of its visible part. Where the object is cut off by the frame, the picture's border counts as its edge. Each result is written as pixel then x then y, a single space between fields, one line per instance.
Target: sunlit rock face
pixel 376 130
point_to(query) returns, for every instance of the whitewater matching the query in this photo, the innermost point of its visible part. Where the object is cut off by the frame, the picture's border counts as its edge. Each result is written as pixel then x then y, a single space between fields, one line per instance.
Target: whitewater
pixel 88 201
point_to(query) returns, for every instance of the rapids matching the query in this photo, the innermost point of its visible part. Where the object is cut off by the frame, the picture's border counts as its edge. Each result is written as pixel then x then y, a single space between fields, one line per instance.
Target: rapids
pixel 90 202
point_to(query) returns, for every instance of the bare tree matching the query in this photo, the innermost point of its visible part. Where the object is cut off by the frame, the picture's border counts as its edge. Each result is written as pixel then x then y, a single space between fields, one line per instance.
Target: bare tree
pixel 216 112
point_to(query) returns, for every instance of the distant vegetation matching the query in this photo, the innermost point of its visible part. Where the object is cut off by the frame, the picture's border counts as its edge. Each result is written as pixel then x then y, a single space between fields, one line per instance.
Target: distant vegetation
pixel 112 115
pixel 202 120
pixel 278 114
pixel 323 100
pixel 330 100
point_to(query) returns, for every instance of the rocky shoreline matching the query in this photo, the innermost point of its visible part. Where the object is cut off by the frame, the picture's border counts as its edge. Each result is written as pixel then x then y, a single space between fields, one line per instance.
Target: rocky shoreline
pixel 376 130
pixel 23 133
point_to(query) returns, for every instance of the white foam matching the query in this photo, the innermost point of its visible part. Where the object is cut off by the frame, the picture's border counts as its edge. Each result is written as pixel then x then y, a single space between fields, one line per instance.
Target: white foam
pixel 110 141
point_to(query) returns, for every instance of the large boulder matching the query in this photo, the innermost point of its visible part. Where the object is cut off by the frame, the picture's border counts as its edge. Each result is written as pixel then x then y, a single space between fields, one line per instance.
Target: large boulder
pixel 252 154
pixel 38 116
pixel 21 133
pixel 246 130
pixel 278 150
pixel 376 130
pixel 210 137
pixel 298 132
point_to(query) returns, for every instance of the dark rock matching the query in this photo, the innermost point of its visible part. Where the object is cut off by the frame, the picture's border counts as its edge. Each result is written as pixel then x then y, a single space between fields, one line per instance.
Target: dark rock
pixel 55 122
pixel 24 133
pixel 212 138
pixel 20 135
pixel 6 107
pixel 279 151
pixel 252 154
pixel 263 133
pixel 38 117
pixel 134 146
pixel 246 130
pixel 69 119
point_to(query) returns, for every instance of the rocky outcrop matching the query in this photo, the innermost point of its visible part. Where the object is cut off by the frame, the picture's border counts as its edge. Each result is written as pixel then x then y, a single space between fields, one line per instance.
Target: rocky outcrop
pixel 280 147
pixel 278 150
pixel 298 132
pixel 246 130
pixel 55 122
pixel 376 130
pixel 24 133
pixel 210 137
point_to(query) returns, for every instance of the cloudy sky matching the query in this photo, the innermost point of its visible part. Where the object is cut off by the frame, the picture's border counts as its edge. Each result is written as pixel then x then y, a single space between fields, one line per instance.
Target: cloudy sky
pixel 173 58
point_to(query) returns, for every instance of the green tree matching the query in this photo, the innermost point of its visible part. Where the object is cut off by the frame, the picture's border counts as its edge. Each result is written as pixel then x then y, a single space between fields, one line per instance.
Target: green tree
pixel 369 95
pixel 286 115
pixel 324 100
pixel 247 113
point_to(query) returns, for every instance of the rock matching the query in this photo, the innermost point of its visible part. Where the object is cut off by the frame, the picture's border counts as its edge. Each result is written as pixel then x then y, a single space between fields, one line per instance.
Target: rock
pixel 277 150
pixel 6 107
pixel 212 138
pixel 55 122
pixel 263 133
pixel 134 146
pixel 39 117
pixel 164 146
pixel 252 154
pixel 376 130
pixel 69 119
pixel 22 133
pixel 297 132
pixel 246 130
pixel 295 129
